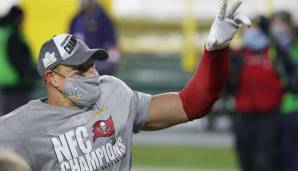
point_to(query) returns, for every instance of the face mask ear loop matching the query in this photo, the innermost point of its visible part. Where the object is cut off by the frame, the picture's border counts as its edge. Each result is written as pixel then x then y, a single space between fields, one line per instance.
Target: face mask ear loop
pixel 58 73
pixel 56 87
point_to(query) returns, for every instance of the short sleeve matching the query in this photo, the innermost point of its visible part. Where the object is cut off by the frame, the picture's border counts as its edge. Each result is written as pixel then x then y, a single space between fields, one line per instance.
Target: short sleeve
pixel 140 103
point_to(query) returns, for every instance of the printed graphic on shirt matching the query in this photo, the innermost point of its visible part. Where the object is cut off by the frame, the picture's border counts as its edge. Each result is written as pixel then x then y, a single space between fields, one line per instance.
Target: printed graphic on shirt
pixel 69 145
pixel 98 109
pixel 103 128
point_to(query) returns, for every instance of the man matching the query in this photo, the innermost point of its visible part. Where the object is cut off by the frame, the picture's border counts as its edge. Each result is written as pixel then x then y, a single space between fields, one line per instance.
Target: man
pixel 258 93
pixel 17 74
pixel 87 121
pixel 97 30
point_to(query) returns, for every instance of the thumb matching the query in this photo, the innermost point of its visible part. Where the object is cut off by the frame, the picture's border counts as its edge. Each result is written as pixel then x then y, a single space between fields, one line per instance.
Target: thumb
pixel 242 19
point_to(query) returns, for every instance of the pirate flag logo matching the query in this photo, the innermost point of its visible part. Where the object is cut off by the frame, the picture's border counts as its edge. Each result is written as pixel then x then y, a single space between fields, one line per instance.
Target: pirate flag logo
pixel 103 128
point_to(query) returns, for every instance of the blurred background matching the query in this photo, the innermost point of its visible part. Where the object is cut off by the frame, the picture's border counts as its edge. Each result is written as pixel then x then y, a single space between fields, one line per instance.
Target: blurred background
pixel 155 46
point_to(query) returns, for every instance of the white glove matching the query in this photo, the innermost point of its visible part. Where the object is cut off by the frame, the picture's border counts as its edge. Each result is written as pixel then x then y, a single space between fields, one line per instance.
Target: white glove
pixel 225 26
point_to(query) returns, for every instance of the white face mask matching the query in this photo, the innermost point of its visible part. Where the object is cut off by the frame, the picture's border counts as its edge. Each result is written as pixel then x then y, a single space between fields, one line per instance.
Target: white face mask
pixel 255 39
pixel 83 92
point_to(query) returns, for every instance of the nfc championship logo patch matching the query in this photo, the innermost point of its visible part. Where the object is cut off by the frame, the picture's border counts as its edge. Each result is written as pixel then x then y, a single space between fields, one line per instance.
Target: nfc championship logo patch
pixel 49 59
pixel 103 128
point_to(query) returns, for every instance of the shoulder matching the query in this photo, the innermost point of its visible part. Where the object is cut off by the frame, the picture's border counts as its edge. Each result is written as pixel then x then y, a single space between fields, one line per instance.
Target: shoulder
pixel 13 115
pixel 115 89
pixel 17 119
pixel 11 123
pixel 113 82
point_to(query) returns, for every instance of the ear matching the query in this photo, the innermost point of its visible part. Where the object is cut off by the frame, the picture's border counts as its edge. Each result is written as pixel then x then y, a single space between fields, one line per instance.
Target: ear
pixel 50 77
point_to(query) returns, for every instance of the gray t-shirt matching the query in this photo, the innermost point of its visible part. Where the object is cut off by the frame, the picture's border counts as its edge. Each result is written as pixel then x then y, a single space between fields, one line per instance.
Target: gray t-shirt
pixel 54 138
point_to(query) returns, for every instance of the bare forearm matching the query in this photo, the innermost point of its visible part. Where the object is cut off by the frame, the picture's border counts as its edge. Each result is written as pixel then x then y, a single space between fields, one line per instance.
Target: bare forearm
pixel 166 110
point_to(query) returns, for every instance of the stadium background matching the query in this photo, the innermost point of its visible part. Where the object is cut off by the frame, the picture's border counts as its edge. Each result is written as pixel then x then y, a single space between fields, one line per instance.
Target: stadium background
pixel 159 52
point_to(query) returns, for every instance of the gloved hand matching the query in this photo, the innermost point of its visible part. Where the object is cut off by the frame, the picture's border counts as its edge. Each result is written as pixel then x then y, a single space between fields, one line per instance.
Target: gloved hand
pixel 225 26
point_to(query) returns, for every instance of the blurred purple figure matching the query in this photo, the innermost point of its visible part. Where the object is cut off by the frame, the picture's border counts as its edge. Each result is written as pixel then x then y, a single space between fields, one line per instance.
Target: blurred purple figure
pixel 96 29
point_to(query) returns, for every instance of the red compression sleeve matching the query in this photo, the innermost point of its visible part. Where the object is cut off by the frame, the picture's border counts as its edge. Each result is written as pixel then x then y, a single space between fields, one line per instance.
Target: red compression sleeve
pixel 204 88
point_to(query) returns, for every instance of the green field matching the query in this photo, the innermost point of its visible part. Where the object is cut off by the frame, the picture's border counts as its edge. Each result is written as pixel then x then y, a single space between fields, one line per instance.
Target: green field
pixel 151 158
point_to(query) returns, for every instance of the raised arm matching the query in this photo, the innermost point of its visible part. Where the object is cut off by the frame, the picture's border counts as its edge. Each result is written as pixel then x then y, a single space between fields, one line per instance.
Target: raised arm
pixel 207 83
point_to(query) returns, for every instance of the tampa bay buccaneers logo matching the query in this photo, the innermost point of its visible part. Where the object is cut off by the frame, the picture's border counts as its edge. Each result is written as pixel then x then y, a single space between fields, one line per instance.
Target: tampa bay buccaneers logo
pixel 103 128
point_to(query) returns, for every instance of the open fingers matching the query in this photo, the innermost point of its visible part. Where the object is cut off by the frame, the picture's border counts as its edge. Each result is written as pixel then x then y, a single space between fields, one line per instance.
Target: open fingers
pixel 233 9
pixel 222 13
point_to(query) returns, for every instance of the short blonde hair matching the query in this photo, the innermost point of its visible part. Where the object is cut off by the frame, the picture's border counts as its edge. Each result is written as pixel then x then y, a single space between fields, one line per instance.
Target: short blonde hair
pixel 11 161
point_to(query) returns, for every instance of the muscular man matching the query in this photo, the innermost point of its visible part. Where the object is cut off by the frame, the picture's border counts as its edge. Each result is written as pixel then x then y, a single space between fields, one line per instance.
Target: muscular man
pixel 86 122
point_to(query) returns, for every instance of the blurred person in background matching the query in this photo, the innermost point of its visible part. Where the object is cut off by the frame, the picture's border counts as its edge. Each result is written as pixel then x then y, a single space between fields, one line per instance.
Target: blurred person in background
pixel 17 73
pixel 286 50
pixel 11 161
pixel 257 91
pixel 94 27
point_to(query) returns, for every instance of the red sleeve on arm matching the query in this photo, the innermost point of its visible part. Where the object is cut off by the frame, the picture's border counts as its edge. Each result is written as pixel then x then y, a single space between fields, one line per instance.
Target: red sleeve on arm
pixel 206 85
